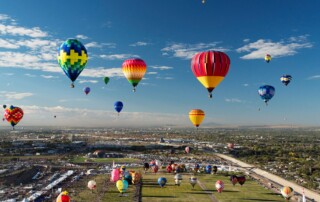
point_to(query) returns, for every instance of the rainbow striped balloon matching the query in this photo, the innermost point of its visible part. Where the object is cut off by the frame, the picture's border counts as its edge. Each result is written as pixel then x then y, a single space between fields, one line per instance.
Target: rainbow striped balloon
pixel 134 70
pixel 13 115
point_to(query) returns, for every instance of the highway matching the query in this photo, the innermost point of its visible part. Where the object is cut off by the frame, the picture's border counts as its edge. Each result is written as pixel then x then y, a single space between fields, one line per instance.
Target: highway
pixel 297 188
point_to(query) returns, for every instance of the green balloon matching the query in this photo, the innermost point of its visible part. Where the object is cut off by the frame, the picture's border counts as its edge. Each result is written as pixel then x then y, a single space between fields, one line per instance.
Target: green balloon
pixel 106 80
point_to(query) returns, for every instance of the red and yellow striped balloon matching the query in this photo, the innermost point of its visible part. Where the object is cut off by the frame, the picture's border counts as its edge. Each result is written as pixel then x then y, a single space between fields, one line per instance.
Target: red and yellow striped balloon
pixel 210 68
pixel 196 117
pixel 63 197
pixel 287 192
pixel 134 70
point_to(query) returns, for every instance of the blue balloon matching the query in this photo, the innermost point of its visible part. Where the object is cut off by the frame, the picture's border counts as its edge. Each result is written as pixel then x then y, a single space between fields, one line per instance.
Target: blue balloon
pixel 86 90
pixel 162 181
pixel 266 92
pixel 118 106
pixel 208 169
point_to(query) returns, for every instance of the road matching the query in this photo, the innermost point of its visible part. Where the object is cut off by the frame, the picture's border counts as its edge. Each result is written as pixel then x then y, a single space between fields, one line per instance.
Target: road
pixel 204 188
pixel 297 188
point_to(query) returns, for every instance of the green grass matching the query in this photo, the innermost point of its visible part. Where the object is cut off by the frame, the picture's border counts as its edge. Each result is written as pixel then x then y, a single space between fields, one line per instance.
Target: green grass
pixel 81 159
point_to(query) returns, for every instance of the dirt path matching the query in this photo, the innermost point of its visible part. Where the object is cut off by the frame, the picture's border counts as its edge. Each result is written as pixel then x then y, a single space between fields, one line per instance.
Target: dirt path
pixel 204 188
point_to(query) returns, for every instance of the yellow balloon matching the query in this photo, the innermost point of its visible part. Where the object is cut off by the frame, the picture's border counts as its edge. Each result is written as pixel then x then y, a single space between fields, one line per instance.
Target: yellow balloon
pixel 196 117
pixel 122 185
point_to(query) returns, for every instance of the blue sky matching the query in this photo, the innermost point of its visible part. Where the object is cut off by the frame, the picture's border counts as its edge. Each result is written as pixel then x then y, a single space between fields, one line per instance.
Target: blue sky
pixel 165 34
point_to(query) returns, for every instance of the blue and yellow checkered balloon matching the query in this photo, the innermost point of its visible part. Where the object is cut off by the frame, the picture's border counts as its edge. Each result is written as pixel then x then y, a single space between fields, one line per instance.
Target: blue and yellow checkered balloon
pixel 72 58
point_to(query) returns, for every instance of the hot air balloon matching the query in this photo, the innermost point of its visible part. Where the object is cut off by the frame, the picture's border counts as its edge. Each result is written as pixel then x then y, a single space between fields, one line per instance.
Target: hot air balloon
pixel 118 106
pixel 4 106
pixel 63 197
pixel 208 169
pixel 122 186
pixel 193 181
pixel 266 92
pixel 106 80
pixel 196 167
pixel 155 168
pixel 72 58
pixel 152 163
pixel 203 1
pixel 158 163
pixel 177 179
pixel 196 117
pixel 285 79
pixel 233 179
pixel 287 192
pixel 215 169
pixel 115 175
pixel 187 150
pixel 136 177
pixel 13 115
pixel 169 168
pixel 55 116
pixel 241 180
pixel 146 167
pixel 127 176
pixel 219 186
pixel 267 58
pixel 123 168
pixel 86 90
pixel 92 185
pixel 162 181
pixel 134 70
pixel 210 68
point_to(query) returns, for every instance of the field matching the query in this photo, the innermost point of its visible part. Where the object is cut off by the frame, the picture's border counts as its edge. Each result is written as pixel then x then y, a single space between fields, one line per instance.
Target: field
pixel 151 191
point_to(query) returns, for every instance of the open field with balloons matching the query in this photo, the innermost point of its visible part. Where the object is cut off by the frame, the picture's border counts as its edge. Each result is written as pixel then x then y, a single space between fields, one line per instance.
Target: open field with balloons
pixel 204 190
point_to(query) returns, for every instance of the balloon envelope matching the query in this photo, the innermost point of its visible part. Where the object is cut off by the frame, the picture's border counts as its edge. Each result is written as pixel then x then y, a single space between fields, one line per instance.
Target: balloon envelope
pixel 13 115
pixel 241 180
pixel 115 175
pixel 134 70
pixel 92 184
pixel 266 92
pixel 106 80
pixel 233 179
pixel 118 106
pixel 72 58
pixel 267 58
pixel 286 79
pixel 63 197
pixel 287 192
pixel 162 181
pixel 196 117
pixel 210 68
pixel 122 185
pixel 187 149
pixel 86 90
pixel 219 186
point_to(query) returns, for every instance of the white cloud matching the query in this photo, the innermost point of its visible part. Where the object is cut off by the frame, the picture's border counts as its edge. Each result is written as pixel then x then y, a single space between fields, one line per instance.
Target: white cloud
pixel 49 76
pixel 30 75
pixel 234 100
pixel 245 85
pixel 140 43
pixel 152 73
pixel 161 67
pixel 4 17
pixel 93 45
pixel 102 72
pixel 8 74
pixel 313 77
pixel 246 40
pixel 80 36
pixel 261 47
pixel 9 44
pixel 22 31
pixel 166 78
pixel 87 81
pixel 118 56
pixel 14 95
pixel 187 51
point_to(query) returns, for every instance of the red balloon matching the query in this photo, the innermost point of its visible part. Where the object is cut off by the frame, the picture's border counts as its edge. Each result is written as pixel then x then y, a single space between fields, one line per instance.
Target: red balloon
pixel 13 115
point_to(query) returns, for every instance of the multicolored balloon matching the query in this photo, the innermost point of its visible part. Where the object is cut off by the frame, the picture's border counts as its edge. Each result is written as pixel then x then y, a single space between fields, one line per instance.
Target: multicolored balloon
pixel 106 80
pixel 230 146
pixel 286 79
pixel 118 106
pixel 155 168
pixel 86 90
pixel 210 68
pixel 219 186
pixel 266 92
pixel 162 181
pixel 178 179
pixel 72 58
pixel 287 192
pixel 267 58
pixel 122 186
pixel 134 70
pixel 208 169
pixel 196 117
pixel 13 115
pixel 63 197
